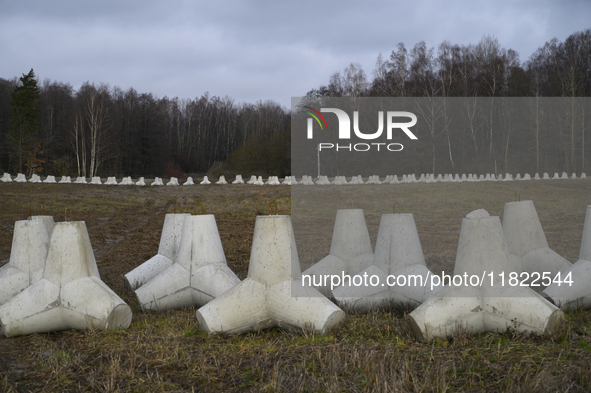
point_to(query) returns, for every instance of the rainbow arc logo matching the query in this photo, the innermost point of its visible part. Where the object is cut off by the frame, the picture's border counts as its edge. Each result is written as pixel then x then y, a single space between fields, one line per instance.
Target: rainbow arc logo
pixel 315 114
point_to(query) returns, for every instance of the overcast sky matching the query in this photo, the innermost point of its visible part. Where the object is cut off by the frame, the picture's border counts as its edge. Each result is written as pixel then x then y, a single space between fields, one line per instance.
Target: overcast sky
pixel 251 50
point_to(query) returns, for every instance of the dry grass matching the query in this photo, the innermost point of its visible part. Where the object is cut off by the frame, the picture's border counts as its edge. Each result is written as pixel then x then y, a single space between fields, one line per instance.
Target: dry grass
pixel 369 353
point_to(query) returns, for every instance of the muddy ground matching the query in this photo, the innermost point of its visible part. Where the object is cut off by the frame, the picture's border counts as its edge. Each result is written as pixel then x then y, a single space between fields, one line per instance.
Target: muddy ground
pixel 124 224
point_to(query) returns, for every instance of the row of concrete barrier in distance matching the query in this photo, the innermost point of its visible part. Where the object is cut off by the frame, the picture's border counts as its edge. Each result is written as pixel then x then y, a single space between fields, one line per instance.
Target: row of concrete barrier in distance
pixel 292 180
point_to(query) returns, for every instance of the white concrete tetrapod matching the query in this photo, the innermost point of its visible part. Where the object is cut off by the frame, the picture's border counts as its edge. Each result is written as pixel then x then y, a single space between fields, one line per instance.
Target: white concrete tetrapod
pixel 189 182
pixel 307 180
pixel 398 253
pixel 526 240
pixel 30 243
pixel 157 182
pixel 141 182
pixel 238 180
pixel 205 180
pixel 356 180
pixel 375 179
pixel 221 180
pixel 20 178
pixel 70 295
pixel 493 305
pixel 350 250
pixel 576 293
pixel 273 181
pixel 340 180
pixel 49 179
pixel 173 182
pixel 65 179
pixel 199 273
pixel 272 294
pixel 128 182
pixel 167 251
pixel 323 180
pixel 6 178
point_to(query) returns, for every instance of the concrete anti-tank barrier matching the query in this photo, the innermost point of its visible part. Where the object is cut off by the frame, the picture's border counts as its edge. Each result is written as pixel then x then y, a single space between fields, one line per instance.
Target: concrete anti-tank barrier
pixel 526 239
pixel 167 251
pixel 272 294
pixel 70 295
pixel 398 253
pixel 576 293
pixel 350 249
pixel 199 273
pixel 30 243
pixel 490 306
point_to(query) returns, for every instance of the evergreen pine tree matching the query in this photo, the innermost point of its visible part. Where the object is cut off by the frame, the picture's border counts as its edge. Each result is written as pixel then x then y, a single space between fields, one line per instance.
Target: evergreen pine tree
pixel 25 103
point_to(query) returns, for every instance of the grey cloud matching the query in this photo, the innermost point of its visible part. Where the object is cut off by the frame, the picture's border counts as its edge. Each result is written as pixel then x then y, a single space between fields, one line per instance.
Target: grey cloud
pixel 252 50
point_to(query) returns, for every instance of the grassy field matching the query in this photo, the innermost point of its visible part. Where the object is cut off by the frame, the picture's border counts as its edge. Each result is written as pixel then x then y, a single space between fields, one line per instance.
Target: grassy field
pixel 166 351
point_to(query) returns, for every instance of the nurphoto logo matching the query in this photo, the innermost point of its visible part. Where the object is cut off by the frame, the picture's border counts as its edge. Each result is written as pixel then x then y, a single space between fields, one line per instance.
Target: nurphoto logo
pixel 344 128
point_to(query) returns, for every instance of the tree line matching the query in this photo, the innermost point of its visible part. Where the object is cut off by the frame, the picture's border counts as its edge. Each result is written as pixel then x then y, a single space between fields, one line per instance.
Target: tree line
pixel 486 69
pixel 97 130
